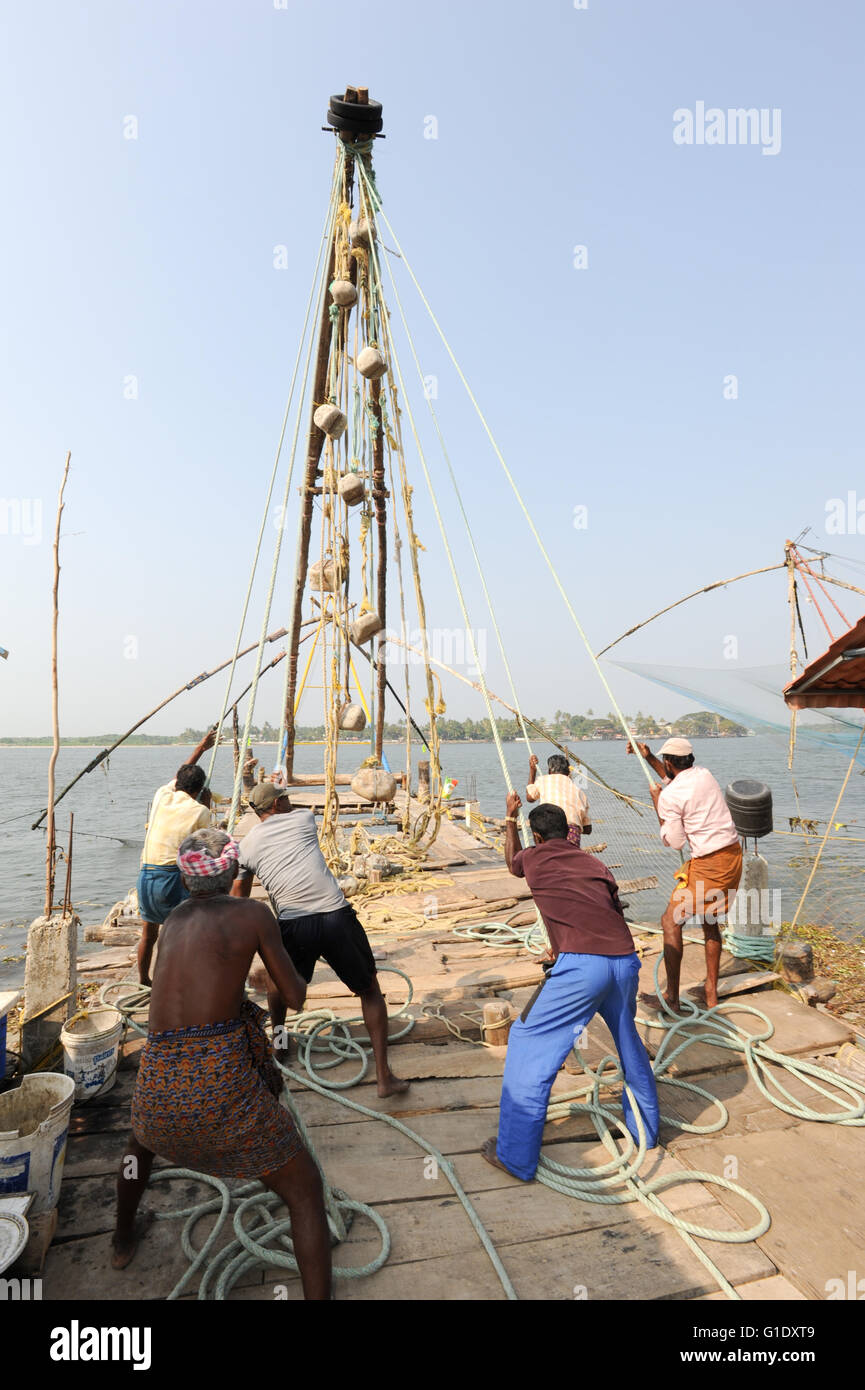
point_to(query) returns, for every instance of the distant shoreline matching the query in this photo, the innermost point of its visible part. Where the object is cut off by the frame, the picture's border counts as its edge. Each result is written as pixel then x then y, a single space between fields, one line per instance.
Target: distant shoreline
pixel 360 742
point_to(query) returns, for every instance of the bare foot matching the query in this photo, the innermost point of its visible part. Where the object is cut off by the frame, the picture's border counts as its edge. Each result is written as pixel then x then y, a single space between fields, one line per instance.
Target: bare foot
pixel 488 1151
pixel 124 1246
pixel 653 1002
pixel 392 1086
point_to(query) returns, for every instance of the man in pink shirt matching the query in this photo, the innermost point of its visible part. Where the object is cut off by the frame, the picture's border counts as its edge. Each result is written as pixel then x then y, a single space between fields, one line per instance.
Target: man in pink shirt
pixel 691 808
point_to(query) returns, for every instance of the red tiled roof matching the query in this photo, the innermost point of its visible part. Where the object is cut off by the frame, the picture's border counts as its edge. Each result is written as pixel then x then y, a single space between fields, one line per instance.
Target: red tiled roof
pixel 833 681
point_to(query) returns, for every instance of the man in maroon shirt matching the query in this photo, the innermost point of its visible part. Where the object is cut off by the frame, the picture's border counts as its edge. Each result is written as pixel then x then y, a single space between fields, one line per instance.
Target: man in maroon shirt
pixel 595 970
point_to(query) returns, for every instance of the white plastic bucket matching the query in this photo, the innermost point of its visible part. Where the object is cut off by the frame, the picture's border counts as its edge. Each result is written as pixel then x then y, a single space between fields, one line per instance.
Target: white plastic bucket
pixel 34 1123
pixel 91 1047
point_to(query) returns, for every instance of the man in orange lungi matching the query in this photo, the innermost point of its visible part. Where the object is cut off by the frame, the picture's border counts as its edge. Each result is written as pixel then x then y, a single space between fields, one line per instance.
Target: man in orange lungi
pixel 691 807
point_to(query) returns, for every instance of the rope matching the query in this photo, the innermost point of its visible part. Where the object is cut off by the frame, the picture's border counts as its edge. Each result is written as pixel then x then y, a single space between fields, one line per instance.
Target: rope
pixel 517 494
pixel 385 319
pixel 250 709
pixel 322 243
pixel 616 1182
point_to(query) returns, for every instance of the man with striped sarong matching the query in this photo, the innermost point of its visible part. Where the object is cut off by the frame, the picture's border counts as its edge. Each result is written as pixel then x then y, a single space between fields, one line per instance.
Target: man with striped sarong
pixel 207 1093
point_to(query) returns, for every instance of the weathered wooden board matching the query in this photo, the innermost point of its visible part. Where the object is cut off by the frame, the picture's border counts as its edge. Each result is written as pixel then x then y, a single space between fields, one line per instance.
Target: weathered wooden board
pixel 808 1169
pixel 82 1268
pixel 493 888
pixel 630 1260
pixel 798 1030
pixel 774 1289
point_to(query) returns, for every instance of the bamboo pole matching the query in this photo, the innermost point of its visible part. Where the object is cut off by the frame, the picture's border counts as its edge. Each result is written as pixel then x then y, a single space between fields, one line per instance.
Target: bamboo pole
pixel 55 704
pixel 829 825
pixel 538 728
pixel 314 446
pixel 106 752
pixel 707 588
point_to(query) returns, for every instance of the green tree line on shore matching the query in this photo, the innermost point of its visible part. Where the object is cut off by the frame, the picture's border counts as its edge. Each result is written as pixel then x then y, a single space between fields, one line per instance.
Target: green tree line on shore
pixel 563 727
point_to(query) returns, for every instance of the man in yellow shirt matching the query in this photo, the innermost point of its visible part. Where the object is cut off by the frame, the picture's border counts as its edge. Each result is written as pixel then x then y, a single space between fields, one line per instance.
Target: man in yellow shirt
pixel 178 808
pixel 556 788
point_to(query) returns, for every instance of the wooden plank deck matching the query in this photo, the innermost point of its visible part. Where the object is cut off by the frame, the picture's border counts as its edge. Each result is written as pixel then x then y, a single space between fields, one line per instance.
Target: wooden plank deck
pixel 551 1245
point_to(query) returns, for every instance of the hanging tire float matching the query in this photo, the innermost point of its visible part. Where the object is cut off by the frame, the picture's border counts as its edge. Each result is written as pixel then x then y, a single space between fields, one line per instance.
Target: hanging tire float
pixel 750 805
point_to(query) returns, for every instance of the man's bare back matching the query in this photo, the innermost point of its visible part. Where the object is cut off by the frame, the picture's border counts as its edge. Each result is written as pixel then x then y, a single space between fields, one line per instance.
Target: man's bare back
pixel 205 950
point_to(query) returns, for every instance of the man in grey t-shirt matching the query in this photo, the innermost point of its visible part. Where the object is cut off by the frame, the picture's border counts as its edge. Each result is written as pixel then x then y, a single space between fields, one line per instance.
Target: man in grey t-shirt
pixel 315 919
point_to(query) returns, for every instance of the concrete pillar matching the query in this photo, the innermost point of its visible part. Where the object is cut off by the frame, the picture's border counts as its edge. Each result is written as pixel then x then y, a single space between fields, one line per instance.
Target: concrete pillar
pixel 750 914
pixel 50 985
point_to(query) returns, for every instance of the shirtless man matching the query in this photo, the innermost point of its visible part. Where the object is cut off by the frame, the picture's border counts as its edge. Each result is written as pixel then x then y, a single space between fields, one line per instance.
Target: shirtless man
pixel 207 1091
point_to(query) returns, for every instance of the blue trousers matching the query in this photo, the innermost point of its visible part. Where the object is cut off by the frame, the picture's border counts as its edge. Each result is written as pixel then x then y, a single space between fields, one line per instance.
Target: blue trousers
pixel 577 987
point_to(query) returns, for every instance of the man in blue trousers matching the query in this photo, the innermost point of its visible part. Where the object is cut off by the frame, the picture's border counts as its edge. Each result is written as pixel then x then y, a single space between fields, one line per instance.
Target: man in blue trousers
pixel 595 970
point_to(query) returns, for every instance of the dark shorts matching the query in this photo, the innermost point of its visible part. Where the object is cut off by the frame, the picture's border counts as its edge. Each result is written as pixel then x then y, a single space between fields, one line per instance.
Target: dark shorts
pixel 160 891
pixel 338 939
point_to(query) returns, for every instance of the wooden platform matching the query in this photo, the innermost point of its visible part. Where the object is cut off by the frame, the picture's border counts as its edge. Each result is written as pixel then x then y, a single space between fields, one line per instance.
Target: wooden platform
pixel 551 1245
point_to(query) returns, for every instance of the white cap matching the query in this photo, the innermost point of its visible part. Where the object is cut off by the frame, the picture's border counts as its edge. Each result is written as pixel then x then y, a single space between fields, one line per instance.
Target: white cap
pixel 676 748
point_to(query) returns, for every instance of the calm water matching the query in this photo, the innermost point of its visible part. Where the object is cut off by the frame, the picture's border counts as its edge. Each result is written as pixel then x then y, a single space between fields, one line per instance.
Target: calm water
pixel 112 803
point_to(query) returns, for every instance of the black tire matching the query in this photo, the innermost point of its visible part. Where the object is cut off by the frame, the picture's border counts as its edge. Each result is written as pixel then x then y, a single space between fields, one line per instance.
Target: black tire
pixel 371 111
pixel 345 123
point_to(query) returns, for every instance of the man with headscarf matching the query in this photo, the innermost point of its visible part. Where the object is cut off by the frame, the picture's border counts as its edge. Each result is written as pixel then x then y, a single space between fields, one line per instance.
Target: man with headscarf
pixel 207 1092
pixel 178 808
pixel 556 788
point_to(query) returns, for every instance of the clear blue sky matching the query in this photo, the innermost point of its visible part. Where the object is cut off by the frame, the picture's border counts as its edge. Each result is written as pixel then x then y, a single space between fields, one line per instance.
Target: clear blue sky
pixel 605 386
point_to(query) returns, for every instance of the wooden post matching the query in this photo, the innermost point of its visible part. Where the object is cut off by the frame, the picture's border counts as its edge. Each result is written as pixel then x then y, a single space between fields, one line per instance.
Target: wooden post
pixel 379 494
pixel 497 1023
pixel 55 715
pixel 314 446
pixel 235 738
pixel 791 600
pixel 797 962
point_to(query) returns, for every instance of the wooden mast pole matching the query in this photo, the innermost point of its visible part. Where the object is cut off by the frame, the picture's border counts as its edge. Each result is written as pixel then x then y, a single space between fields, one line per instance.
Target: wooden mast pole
pixel 379 494
pixel 314 446
pixel 55 706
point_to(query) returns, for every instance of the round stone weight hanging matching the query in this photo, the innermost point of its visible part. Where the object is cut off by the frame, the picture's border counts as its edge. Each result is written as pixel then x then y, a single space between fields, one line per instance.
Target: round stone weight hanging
pixel 374 784
pixel 352 718
pixel 343 293
pixel 351 489
pixel 365 627
pixel 323 577
pixel 330 419
pixel 359 232
pixel 371 364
